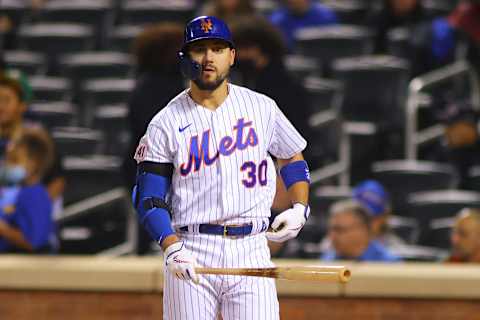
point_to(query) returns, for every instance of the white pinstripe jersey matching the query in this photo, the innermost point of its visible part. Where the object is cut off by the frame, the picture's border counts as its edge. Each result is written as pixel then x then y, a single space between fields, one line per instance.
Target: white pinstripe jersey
pixel 223 171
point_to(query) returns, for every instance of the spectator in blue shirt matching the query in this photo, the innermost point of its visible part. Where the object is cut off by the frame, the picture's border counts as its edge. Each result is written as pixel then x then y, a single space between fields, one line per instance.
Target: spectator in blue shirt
pixel 26 223
pixel 350 231
pixel 298 14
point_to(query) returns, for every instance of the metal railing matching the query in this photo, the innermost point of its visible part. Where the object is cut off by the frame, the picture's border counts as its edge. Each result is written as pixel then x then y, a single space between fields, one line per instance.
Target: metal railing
pixel 87 206
pixel 416 98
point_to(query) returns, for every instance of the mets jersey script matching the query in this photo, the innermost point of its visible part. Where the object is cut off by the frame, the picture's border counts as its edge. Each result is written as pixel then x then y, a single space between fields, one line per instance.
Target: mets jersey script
pixel 223 169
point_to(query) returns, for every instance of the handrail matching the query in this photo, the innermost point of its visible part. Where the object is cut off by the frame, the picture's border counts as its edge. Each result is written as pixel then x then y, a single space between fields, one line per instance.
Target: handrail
pixel 82 207
pixel 85 206
pixel 413 137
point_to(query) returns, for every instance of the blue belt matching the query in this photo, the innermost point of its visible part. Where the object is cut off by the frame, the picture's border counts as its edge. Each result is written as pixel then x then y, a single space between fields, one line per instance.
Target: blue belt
pixel 226 231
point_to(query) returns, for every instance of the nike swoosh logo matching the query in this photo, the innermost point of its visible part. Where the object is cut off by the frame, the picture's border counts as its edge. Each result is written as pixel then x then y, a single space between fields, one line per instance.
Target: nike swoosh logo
pixel 183 129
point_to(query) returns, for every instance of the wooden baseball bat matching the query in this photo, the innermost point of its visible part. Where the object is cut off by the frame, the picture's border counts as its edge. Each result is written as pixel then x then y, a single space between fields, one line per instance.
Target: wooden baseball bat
pixel 302 273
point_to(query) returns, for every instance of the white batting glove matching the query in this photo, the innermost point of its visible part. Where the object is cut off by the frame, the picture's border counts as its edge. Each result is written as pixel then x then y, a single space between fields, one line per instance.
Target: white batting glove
pixel 290 222
pixel 180 262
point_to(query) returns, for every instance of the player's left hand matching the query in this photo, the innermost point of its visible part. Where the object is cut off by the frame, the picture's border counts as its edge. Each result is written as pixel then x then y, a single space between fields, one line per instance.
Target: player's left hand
pixel 288 224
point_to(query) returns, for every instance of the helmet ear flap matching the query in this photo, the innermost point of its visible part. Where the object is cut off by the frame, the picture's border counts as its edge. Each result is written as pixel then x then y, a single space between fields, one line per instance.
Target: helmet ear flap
pixel 189 68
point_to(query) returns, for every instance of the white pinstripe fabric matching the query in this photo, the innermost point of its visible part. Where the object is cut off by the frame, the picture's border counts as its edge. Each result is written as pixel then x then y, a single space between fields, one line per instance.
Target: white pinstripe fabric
pixel 223 192
pixel 236 297
pixel 215 192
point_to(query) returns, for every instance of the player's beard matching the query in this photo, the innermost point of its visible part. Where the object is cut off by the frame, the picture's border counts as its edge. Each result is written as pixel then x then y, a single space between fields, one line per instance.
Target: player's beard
pixel 211 85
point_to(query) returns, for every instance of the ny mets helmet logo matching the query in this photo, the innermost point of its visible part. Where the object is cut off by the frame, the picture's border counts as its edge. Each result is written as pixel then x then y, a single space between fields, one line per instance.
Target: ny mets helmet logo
pixel 206 25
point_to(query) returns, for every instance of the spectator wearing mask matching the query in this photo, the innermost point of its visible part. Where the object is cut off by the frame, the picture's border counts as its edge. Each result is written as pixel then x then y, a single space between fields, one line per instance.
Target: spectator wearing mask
pixel 350 232
pixel 27 225
pixel 13 106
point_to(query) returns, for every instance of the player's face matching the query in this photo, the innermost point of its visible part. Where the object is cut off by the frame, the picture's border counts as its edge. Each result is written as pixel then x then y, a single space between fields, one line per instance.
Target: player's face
pixel 216 58
pixel 465 238
pixel 11 108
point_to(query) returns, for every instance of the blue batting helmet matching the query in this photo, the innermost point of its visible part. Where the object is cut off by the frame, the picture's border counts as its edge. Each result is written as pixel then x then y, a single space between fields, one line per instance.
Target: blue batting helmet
pixel 207 27
pixel 200 28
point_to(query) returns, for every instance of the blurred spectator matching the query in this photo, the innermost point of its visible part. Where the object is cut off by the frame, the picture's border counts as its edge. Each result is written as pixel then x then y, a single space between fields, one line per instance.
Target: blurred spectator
pixel 12 109
pixel 466 237
pixel 373 196
pixel 462 139
pixel 259 61
pixel 297 14
pixel 435 43
pixel 158 81
pixel 27 224
pixel 228 10
pixel 18 76
pixel 350 231
pixel 466 20
pixel 393 14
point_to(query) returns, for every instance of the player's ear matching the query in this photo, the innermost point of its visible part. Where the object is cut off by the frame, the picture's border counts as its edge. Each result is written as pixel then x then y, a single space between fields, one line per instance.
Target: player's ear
pixel 232 56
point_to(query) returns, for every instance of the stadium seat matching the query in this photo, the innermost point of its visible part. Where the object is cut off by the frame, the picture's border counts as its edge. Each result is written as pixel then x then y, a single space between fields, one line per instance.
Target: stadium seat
pixel 96 227
pixel 322 197
pixel 95 13
pixel 98 92
pixel 326 131
pixel 107 91
pixel 88 176
pixel 93 65
pixel 349 11
pixel 265 7
pixel 398 42
pixel 77 141
pixel 152 11
pixel 18 13
pixel 29 62
pixel 439 232
pixel 323 94
pixel 112 120
pixel 403 177
pixel 428 206
pixel 301 67
pixel 93 231
pixel 437 8
pixel 54 39
pixel 326 43
pixel 52 114
pixel 375 88
pixel 121 37
pixel 50 88
pixel 474 178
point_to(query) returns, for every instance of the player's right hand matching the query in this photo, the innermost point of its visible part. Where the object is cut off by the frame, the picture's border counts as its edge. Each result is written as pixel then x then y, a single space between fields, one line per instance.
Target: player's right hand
pixel 181 262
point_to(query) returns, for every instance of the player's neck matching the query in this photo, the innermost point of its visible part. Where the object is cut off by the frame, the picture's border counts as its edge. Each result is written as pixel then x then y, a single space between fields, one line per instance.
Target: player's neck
pixel 210 99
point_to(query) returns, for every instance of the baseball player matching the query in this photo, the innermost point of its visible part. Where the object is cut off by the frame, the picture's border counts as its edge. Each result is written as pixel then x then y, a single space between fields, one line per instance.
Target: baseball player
pixel 206 182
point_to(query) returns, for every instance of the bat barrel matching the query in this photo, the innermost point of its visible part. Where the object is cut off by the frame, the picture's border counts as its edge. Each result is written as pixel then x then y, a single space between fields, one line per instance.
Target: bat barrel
pixel 300 273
